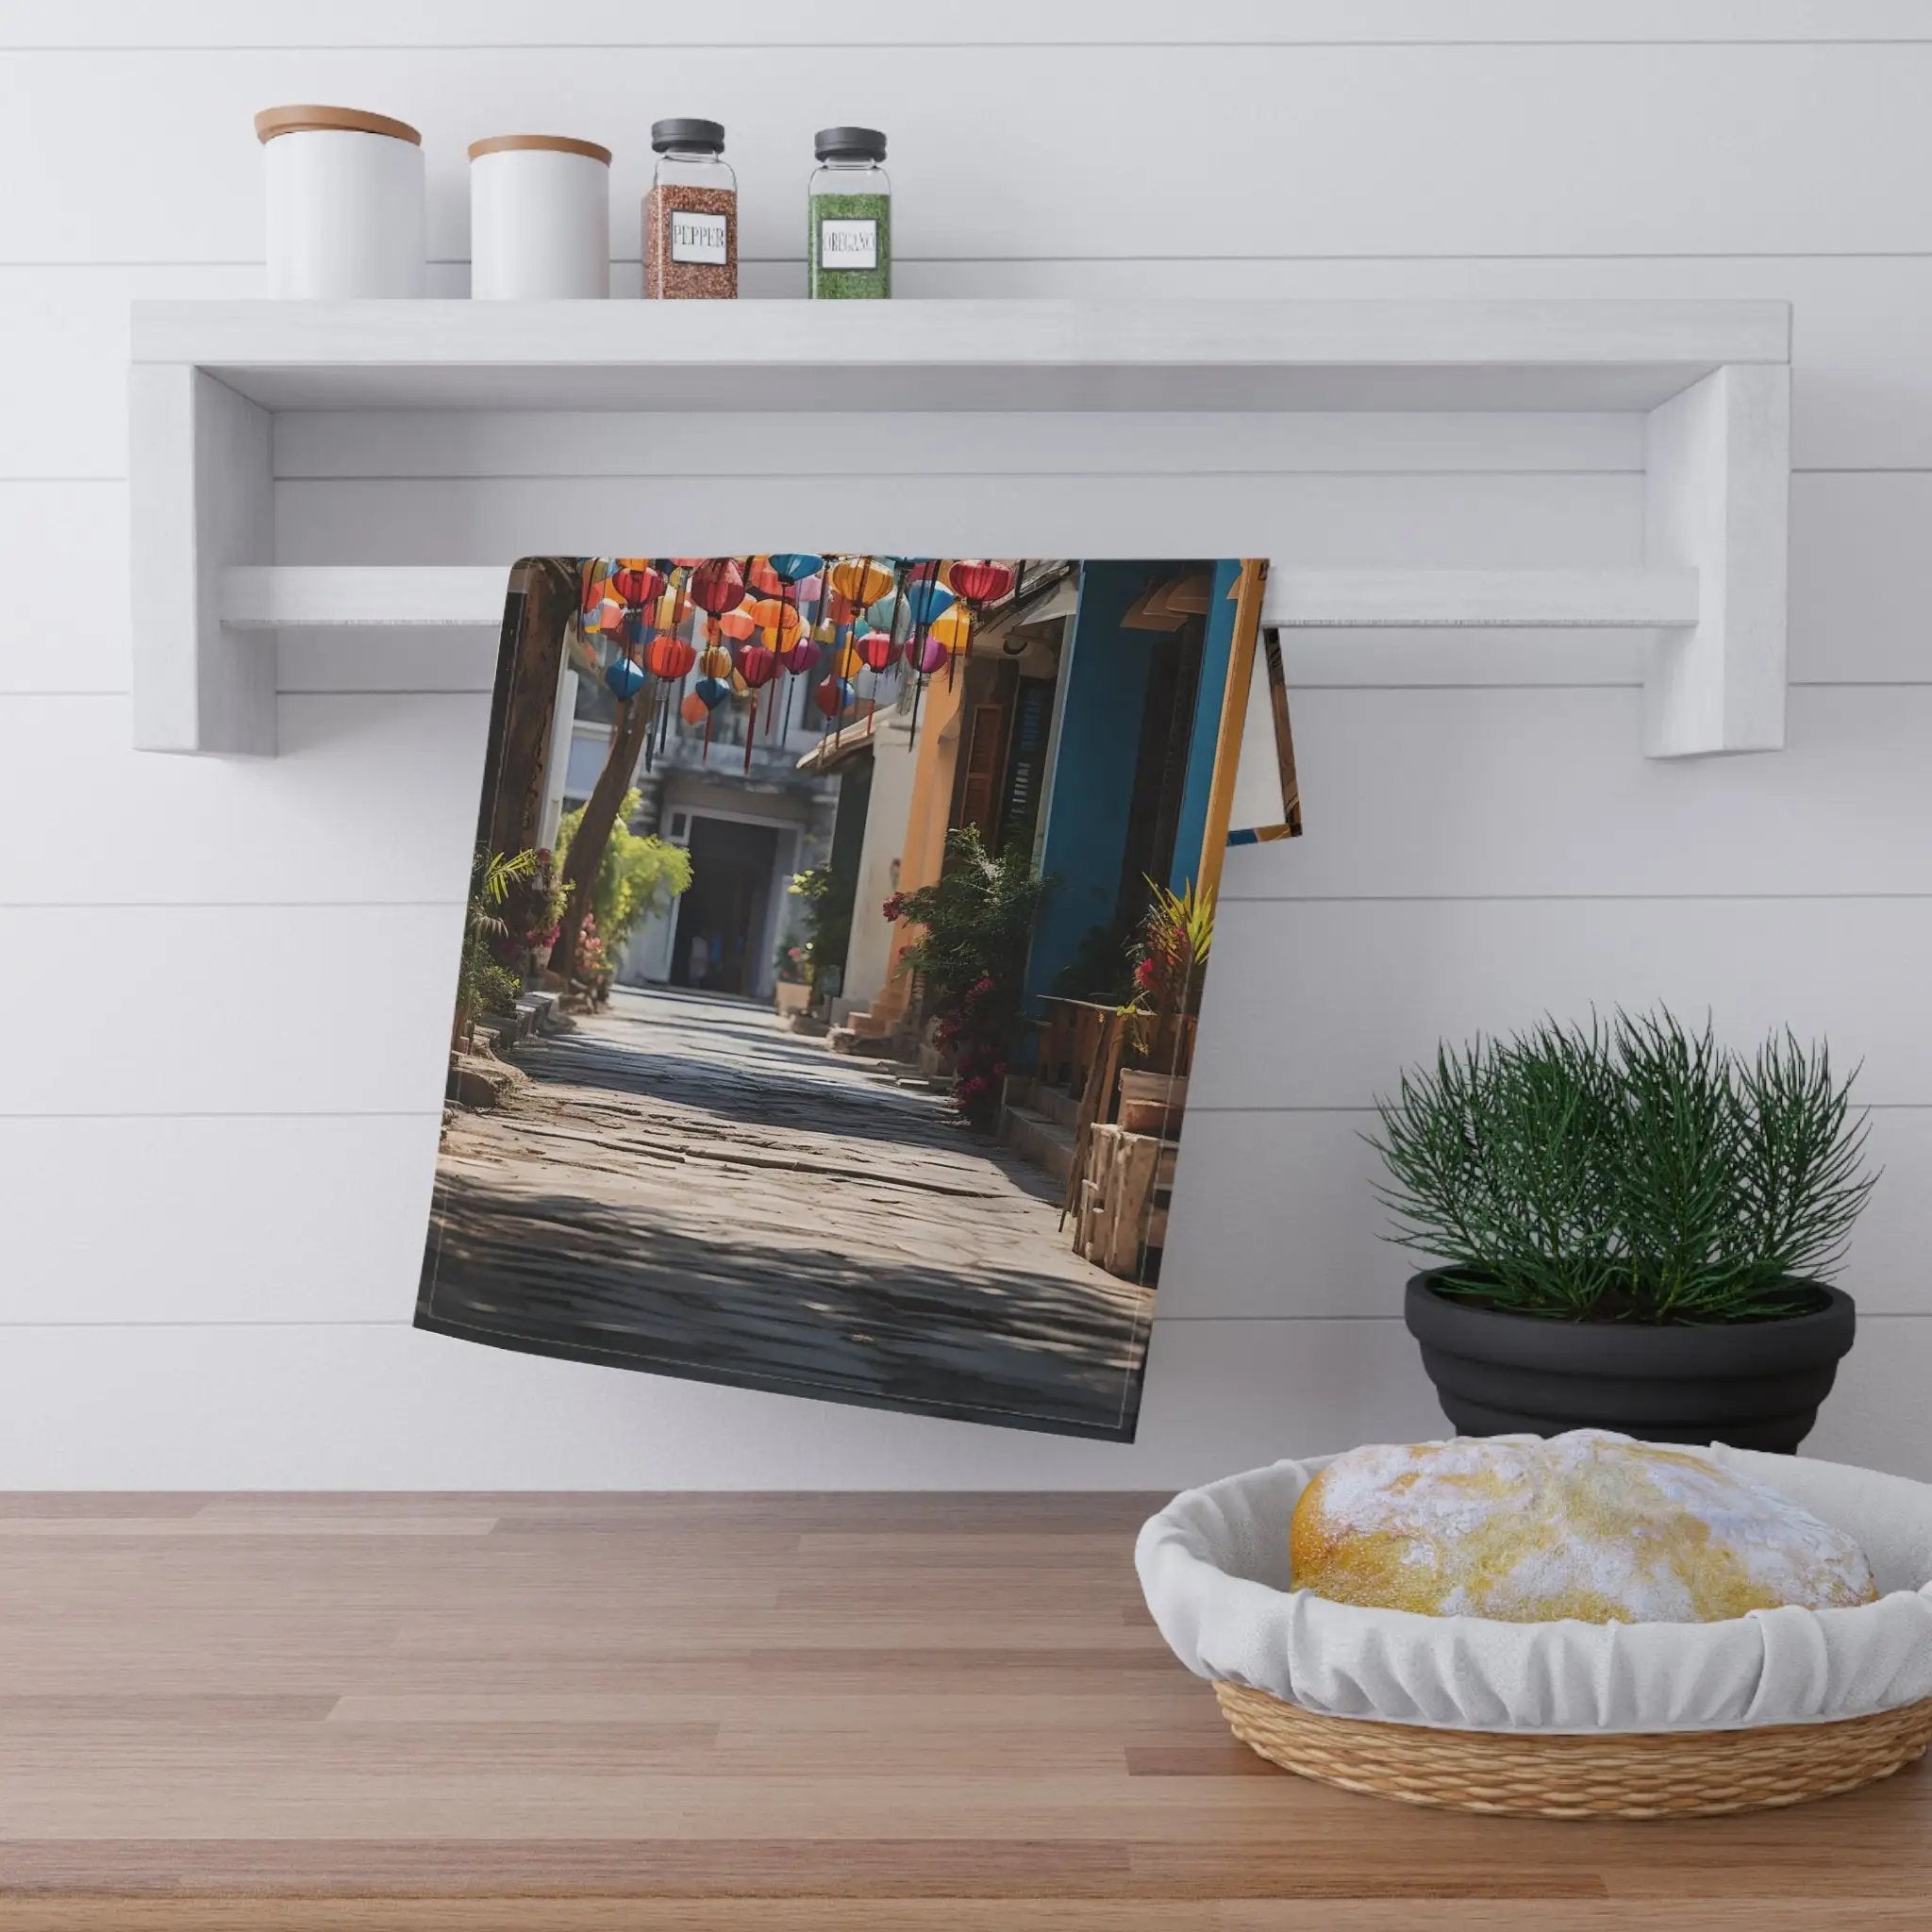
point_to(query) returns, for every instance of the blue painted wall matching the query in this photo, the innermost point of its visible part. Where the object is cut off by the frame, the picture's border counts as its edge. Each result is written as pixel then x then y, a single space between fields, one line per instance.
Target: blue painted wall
pixel 1106 678
pixel 1216 648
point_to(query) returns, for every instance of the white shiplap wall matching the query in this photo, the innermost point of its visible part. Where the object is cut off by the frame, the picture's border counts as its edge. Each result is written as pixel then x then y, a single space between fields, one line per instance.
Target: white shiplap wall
pixel 227 981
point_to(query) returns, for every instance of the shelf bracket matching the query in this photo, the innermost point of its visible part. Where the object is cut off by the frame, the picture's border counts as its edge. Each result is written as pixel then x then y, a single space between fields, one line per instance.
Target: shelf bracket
pixel 1717 498
pixel 201 498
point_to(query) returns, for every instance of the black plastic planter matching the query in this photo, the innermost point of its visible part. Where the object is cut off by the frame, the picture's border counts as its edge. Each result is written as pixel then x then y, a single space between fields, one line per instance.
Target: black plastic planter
pixel 1755 1385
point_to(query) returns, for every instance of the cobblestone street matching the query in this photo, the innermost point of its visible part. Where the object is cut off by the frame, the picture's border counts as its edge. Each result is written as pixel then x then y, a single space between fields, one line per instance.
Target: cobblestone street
pixel 732 1199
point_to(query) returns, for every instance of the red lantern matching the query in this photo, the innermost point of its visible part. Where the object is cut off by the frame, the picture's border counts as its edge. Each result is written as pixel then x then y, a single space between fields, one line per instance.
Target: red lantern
pixel 757 665
pixel 978 580
pixel 876 649
pixel 718 585
pixel 832 695
pixel 636 580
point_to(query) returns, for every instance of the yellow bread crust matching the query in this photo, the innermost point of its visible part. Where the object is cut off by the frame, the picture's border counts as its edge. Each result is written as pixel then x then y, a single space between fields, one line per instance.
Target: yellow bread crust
pixel 1588 1526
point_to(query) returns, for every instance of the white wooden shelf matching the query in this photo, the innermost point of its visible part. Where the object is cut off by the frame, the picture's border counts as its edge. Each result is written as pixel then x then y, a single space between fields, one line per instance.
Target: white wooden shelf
pixel 409 597
pixel 1710 377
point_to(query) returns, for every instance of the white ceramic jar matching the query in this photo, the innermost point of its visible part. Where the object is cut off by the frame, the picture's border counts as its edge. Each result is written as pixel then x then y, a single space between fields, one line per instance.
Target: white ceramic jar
pixel 344 203
pixel 539 218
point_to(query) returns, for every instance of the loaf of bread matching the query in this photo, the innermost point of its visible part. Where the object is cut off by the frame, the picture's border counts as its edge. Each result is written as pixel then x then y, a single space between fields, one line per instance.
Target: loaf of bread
pixel 1589 1526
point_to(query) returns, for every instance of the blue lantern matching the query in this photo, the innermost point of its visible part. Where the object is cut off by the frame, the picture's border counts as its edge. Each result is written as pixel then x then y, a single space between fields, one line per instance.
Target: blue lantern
pixel 891 614
pixel 626 676
pixel 926 599
pixel 792 569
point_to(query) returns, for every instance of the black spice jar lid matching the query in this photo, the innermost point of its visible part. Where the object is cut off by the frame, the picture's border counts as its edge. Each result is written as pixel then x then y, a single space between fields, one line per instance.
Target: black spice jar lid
pixel 706 135
pixel 864 143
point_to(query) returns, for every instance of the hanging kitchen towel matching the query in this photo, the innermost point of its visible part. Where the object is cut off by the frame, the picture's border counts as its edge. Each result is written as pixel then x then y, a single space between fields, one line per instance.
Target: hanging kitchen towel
pixel 833 961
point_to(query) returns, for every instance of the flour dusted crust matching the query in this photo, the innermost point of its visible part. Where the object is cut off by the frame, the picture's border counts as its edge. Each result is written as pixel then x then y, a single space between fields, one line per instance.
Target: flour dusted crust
pixel 1589 1526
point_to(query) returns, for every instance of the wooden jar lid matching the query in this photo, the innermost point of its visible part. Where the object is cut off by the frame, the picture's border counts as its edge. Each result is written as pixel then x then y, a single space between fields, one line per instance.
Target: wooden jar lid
pixel 551 144
pixel 307 119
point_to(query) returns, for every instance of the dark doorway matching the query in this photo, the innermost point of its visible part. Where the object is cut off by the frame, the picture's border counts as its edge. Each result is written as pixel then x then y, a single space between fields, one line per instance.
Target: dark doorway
pixel 722 918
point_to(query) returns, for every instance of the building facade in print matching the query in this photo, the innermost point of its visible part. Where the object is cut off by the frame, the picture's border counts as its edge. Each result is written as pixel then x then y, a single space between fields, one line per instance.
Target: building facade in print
pixel 749 822
pixel 1081 728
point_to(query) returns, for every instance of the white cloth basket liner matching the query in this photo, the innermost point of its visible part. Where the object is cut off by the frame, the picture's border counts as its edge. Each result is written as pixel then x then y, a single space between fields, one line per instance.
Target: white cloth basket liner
pixel 1214 1567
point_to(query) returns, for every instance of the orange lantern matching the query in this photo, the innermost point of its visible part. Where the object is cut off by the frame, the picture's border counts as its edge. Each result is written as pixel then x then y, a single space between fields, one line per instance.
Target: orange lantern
pixel 669 658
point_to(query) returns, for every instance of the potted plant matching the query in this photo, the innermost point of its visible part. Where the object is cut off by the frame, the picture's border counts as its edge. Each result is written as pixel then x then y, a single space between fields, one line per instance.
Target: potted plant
pixel 484 983
pixel 1634 1229
pixel 976 925
pixel 817 965
pixel 1168 969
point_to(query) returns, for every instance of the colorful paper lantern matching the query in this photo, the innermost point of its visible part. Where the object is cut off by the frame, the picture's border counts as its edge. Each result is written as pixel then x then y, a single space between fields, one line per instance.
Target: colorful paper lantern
pixel 669 658
pixel 925 600
pixel 738 625
pixel 693 710
pixel 625 678
pixel 636 579
pixel 792 569
pixel 710 691
pixel 717 585
pixel 861 581
pixel 833 695
pixel 715 663
pixel 757 665
pixel 770 614
pixel 979 579
pixel 953 629
pixel 876 649
pixel 802 657
pixel 927 655
pixel 889 613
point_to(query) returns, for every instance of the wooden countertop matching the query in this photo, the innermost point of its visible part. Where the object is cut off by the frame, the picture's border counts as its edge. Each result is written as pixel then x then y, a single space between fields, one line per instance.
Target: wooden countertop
pixel 861 1711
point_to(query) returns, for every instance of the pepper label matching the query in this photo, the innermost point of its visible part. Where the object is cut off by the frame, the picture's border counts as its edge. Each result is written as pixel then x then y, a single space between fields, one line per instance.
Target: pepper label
pixel 848 245
pixel 698 238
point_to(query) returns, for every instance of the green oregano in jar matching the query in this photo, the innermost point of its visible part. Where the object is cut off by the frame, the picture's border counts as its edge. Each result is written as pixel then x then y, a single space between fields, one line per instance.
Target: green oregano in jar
pixel 849 249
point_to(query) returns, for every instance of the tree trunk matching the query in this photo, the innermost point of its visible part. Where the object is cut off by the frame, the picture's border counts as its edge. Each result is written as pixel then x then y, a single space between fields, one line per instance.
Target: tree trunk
pixel 586 854
pixel 520 720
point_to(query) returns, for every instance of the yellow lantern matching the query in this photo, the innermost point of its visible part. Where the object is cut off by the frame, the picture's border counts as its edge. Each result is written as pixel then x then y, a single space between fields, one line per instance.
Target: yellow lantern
pixel 952 627
pixel 861 581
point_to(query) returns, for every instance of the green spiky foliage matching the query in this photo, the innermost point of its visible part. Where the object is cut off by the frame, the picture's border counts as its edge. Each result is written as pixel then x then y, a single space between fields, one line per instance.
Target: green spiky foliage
pixel 1630 1171
pixel 1170 968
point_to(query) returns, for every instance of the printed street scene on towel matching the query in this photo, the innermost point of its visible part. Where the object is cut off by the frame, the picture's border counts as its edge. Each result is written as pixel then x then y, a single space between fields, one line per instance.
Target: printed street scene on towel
pixel 836 939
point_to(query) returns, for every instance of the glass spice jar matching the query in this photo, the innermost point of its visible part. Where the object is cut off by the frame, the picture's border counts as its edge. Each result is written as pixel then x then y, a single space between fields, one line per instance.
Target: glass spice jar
pixel 690 214
pixel 849 248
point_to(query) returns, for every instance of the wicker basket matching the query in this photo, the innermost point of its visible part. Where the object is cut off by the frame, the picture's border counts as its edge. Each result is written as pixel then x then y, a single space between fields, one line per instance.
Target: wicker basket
pixel 1611 1774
